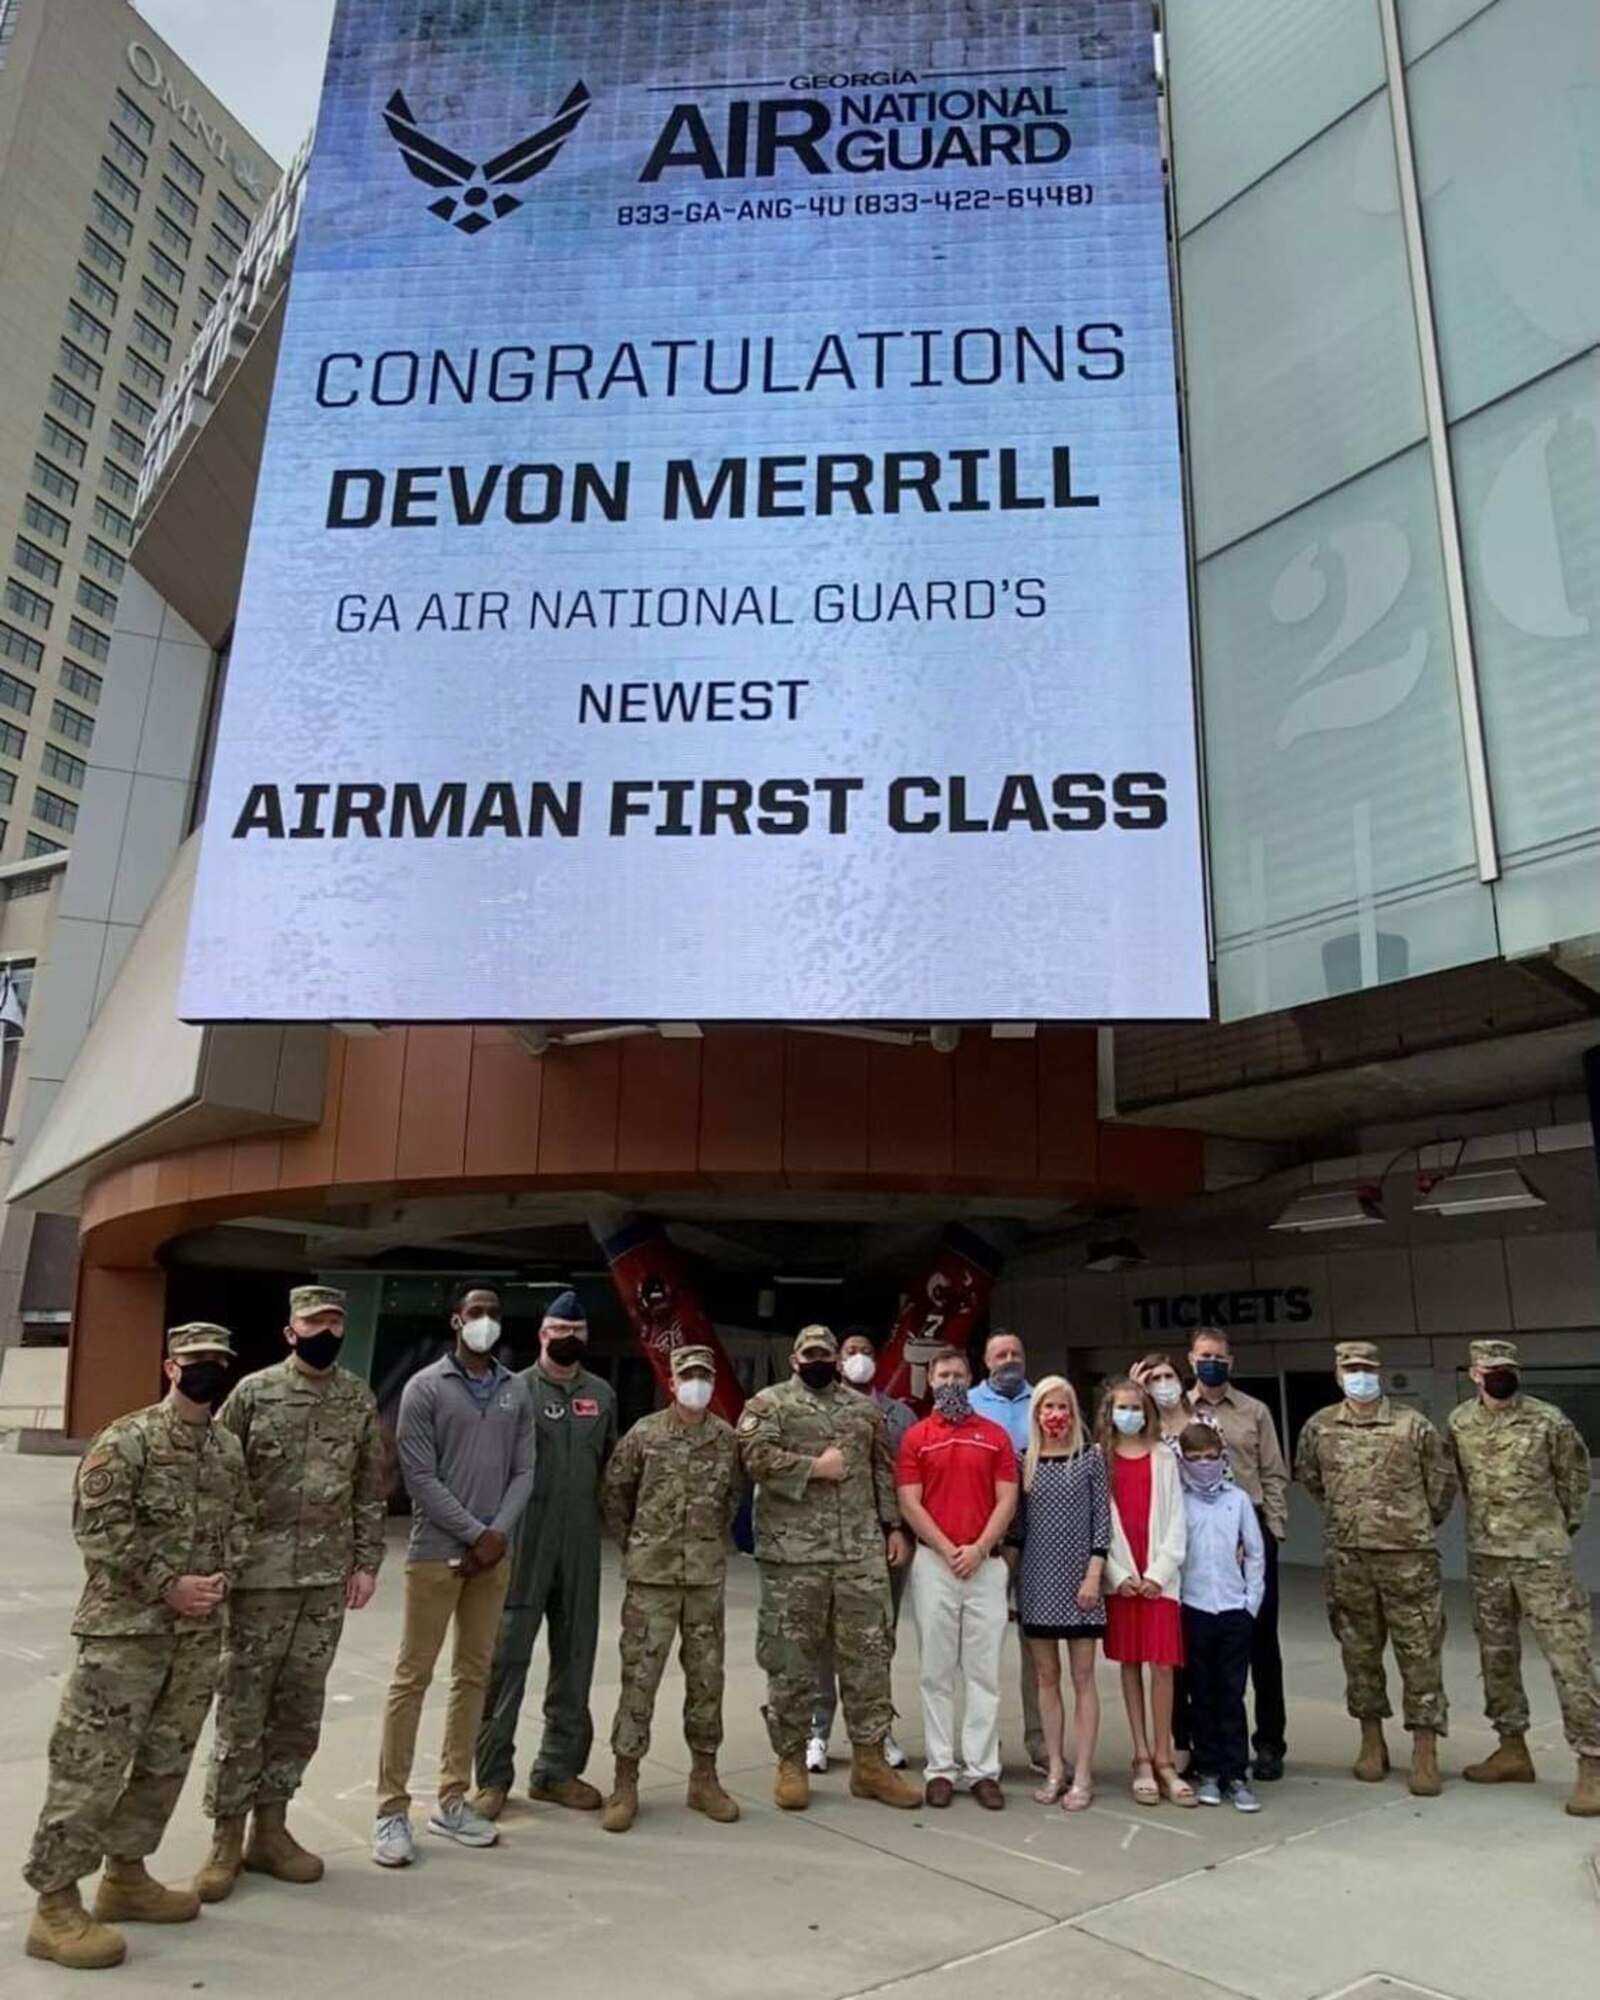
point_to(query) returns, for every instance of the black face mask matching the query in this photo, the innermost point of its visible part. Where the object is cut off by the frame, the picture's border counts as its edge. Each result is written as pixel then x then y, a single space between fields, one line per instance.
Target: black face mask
pixel 318 1350
pixel 1501 1383
pixel 204 1381
pixel 817 1374
pixel 565 1349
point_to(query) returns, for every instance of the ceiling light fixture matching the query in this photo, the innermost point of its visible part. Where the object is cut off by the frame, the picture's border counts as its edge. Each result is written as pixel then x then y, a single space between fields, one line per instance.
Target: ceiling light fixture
pixel 1113 1253
pixel 1475 1194
pixel 1345 1208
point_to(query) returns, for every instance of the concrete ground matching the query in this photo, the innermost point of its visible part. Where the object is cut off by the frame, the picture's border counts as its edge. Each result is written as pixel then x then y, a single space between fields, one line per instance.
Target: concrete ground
pixel 1336 1888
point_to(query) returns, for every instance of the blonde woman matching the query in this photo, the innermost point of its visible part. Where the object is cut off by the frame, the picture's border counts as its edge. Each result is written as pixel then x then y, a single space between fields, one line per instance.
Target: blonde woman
pixel 1063 1524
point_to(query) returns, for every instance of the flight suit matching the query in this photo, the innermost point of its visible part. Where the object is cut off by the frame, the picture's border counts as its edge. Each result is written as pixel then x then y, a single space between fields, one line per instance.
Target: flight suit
pixel 555 1581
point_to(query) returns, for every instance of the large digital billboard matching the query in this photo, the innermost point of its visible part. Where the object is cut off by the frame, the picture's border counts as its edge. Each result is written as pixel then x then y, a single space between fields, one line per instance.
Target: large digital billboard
pixel 719 546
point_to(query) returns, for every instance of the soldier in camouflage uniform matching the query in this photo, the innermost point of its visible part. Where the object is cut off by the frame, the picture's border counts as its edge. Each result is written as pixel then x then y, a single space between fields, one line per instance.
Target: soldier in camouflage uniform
pixel 1385 1480
pixel 1525 1477
pixel 161 1511
pixel 315 1456
pixel 825 1505
pixel 669 1496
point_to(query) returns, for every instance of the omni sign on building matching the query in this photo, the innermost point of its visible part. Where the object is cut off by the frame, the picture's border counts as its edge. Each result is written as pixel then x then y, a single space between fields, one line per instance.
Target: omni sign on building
pixel 146 66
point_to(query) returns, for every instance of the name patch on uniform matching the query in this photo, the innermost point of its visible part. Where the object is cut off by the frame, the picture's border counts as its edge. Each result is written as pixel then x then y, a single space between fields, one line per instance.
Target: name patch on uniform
pixel 585 1406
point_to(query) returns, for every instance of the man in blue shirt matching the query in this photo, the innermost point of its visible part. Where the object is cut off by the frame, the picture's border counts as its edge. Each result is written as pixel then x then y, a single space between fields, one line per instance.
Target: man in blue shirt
pixel 1006 1399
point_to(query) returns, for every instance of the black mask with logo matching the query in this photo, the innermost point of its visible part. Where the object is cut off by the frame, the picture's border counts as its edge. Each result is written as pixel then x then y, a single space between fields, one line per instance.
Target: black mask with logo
pixel 817 1374
pixel 318 1350
pixel 204 1381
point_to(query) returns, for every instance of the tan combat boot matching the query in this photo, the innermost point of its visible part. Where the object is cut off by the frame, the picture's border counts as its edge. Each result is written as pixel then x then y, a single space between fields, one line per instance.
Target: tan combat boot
pixel 273 1849
pixel 705 1793
pixel 1424 1781
pixel 1585 1800
pixel 791 1789
pixel 130 1894
pixel 871 1778
pixel 1372 1763
pixel 62 1930
pixel 622 1808
pixel 1510 1764
pixel 220 1869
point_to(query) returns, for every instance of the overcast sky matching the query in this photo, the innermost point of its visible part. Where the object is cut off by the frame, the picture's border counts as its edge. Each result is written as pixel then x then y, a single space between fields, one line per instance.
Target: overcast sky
pixel 263 60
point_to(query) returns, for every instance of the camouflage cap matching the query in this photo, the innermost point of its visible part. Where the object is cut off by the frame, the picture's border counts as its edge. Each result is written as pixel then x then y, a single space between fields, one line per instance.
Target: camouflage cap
pixel 1347 1353
pixel 307 1299
pixel 814 1340
pixel 198 1336
pixel 684 1360
pixel 1495 1354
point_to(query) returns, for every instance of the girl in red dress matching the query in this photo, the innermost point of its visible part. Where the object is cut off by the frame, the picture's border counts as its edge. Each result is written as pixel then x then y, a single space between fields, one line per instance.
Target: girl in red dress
pixel 1144 1624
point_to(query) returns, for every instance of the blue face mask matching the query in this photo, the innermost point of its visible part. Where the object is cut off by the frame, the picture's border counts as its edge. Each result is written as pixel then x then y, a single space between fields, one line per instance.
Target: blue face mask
pixel 1129 1422
pixel 1203 1475
pixel 1361 1385
pixel 1006 1378
pixel 1213 1371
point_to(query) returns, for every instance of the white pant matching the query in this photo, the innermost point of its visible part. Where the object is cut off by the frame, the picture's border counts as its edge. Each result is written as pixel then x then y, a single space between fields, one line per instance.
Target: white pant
pixel 960 1630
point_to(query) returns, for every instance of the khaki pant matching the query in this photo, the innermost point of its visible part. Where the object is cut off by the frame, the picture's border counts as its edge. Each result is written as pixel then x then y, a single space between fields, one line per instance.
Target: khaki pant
pixel 436 1595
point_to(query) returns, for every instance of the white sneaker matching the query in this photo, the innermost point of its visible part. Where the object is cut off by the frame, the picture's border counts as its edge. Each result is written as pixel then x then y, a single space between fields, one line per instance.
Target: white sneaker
pixel 893 1755
pixel 817 1753
pixel 461 1822
pixel 392 1845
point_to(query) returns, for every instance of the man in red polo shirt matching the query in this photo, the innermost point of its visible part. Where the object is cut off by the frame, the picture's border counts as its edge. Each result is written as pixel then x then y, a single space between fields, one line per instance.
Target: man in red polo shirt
pixel 957 1480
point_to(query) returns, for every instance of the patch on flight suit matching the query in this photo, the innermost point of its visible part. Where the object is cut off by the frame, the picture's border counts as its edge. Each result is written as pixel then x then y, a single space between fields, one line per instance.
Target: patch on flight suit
pixel 585 1406
pixel 555 1409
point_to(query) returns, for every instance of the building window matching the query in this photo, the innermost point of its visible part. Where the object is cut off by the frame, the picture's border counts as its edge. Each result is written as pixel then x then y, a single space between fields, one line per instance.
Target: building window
pixel 132 118
pixel 13 741
pixel 127 444
pixel 71 447
pixel 99 251
pixel 36 561
pixel 183 208
pixel 102 560
pixel 15 645
pixel 133 407
pixel 115 480
pixel 82 367
pixel 66 399
pixel 113 520
pixel 63 765
pixel 69 722
pixel 87 640
pixel 144 374
pixel 155 301
pixel 225 247
pixel 96 291
pixel 35 847
pixel 87 327
pixel 8 789
pixel 14 693
pixel 111 220
pixel 233 215
pixel 79 681
pixel 185 168
pixel 28 603
pixel 170 234
pixel 53 809
pixel 46 520
pixel 127 154
pixel 151 338
pixel 165 269
pixel 117 184
pixel 102 603
pixel 217 274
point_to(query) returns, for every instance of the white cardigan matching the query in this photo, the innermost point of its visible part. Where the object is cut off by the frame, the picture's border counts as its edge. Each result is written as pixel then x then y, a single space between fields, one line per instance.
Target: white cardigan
pixel 1168 1537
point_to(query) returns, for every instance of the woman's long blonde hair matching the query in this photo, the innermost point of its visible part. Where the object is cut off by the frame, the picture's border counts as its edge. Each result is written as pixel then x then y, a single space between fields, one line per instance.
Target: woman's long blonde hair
pixel 1047 1386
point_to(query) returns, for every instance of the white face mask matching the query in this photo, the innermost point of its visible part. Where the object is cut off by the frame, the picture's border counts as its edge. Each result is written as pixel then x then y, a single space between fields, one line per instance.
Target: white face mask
pixel 1166 1393
pixel 859 1368
pixel 694 1392
pixel 480 1333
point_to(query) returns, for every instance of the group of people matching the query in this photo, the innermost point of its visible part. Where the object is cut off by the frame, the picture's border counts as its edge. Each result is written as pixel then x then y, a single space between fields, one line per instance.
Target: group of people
pixel 226 1531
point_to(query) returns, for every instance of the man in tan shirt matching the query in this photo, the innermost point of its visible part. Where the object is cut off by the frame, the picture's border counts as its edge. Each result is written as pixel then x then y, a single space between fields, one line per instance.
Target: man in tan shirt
pixel 1256 1458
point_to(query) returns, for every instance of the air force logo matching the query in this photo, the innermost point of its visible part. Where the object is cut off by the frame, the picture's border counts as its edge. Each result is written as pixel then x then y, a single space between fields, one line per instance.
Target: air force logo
pixel 477 195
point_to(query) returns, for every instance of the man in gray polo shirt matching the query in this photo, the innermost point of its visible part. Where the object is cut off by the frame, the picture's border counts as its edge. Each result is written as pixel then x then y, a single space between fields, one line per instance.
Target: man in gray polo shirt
pixel 466 1449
